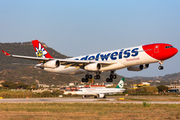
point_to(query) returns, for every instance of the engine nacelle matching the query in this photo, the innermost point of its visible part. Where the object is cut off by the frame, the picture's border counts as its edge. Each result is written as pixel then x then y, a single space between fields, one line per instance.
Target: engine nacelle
pixel 135 68
pixel 52 64
pixel 93 67
pixel 145 66
pixel 101 95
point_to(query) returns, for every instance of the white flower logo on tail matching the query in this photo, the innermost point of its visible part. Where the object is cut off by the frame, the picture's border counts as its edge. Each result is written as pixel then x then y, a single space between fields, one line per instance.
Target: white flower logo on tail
pixel 40 52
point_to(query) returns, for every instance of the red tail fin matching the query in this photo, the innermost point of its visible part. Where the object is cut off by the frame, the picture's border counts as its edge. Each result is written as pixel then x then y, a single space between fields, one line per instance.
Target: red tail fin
pixel 40 50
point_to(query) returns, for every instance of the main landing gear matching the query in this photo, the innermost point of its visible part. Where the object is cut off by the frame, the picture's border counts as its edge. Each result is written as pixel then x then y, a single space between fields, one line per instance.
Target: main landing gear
pixel 161 67
pixel 111 77
pixel 97 76
pixel 87 77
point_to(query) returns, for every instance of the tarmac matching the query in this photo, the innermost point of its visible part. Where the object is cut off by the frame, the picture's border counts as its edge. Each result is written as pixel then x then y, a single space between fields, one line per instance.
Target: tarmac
pixel 79 100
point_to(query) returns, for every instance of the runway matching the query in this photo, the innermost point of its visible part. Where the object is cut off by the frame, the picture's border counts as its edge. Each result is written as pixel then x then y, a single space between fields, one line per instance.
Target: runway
pixel 79 100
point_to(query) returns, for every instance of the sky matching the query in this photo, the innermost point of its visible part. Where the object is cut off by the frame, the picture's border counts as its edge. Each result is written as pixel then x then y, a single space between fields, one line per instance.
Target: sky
pixel 80 27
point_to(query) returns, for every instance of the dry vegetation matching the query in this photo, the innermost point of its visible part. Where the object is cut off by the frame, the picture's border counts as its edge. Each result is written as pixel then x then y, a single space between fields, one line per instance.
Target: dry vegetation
pixel 150 98
pixel 88 111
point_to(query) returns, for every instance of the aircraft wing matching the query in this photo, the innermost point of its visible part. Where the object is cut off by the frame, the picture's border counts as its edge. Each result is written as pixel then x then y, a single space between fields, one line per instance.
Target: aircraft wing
pixel 26 57
pixel 66 62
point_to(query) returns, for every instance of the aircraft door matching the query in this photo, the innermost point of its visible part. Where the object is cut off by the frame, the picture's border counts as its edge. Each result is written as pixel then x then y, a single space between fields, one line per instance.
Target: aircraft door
pixel 156 49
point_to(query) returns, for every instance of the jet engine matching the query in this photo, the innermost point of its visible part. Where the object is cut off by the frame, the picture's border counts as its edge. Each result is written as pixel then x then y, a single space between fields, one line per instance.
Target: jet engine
pixel 135 68
pixel 52 64
pixel 101 95
pixel 93 67
pixel 145 66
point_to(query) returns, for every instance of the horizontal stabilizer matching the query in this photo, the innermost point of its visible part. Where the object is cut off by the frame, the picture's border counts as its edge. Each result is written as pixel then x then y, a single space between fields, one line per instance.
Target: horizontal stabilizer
pixel 5 53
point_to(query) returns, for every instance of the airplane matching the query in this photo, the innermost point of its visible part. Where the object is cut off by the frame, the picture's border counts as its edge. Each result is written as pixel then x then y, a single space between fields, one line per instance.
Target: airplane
pixel 133 58
pixel 101 92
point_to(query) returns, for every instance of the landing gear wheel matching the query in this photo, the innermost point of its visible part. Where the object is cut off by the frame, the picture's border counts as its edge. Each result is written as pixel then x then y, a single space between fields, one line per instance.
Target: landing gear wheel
pixel 107 79
pixel 86 76
pixel 160 67
pixel 97 77
pixel 111 76
pixel 111 80
pixel 86 80
pixel 90 76
pixel 114 76
pixel 82 80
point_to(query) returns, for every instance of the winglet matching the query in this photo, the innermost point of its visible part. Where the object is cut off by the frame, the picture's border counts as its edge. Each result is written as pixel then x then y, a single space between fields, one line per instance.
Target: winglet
pixel 5 53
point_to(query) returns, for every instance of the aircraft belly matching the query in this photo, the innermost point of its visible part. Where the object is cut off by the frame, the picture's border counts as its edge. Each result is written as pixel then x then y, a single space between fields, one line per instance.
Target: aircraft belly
pixel 62 70
pixel 113 67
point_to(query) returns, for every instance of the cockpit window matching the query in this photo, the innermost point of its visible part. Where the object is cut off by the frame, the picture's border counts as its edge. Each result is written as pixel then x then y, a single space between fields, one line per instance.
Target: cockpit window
pixel 168 47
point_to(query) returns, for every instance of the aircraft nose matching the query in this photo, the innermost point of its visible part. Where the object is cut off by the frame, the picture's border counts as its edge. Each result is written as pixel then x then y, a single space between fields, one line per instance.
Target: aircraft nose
pixel 168 53
pixel 175 51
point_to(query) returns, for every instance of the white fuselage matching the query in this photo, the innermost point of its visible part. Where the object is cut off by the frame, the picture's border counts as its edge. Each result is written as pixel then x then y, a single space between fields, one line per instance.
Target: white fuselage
pixel 96 91
pixel 119 59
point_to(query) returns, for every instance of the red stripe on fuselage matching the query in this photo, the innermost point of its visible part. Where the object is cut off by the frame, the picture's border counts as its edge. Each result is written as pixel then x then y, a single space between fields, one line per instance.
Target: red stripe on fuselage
pixel 160 51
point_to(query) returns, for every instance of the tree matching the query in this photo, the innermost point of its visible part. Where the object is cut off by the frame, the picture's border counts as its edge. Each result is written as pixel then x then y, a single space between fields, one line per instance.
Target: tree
pixel 45 94
pixel 21 85
pixel 9 85
pixel 162 88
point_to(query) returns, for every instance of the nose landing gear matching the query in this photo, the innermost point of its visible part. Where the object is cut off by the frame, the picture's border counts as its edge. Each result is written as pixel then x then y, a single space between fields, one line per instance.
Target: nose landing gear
pixel 161 67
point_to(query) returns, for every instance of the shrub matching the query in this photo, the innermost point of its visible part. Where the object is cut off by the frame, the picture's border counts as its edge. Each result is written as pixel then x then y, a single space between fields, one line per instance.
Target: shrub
pixel 145 104
pixel 57 92
pixel 151 89
pixel 45 94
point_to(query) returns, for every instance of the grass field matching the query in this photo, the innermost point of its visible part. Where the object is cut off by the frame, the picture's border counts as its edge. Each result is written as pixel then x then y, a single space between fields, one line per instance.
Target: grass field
pixel 88 111
pixel 150 98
